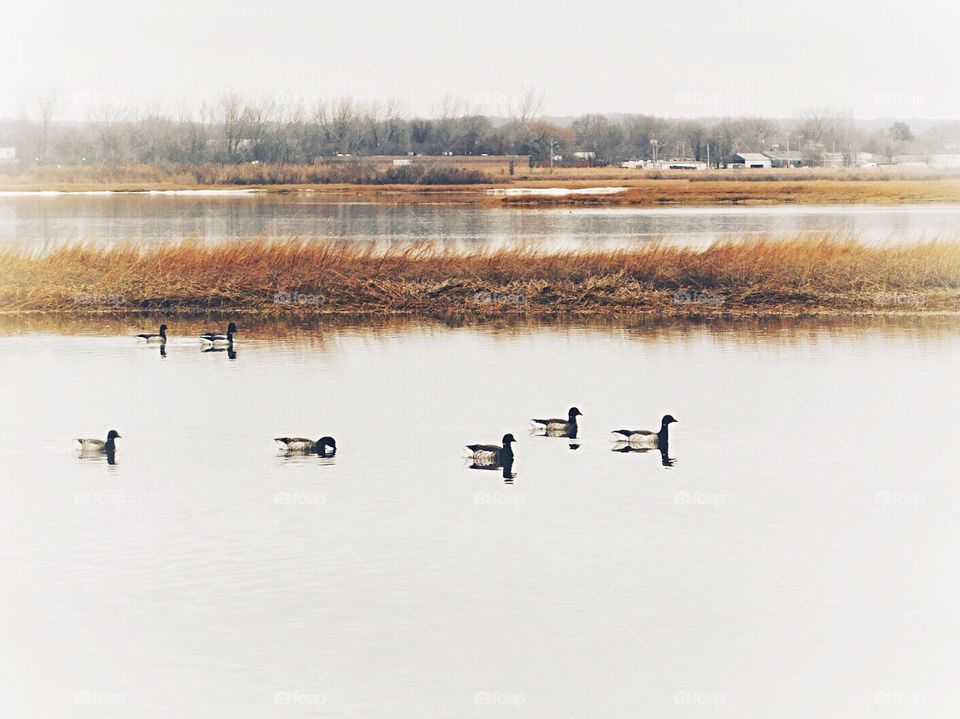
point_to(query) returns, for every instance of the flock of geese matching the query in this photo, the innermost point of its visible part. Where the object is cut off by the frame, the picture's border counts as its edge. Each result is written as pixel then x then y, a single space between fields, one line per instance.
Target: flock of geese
pixel 501 456
pixel 484 456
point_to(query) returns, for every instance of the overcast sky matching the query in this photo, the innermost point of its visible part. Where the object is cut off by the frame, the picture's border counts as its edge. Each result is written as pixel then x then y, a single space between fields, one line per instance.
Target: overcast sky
pixel 671 57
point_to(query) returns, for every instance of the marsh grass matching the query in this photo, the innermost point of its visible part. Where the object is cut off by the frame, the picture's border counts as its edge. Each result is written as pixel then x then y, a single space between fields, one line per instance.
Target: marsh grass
pixel 811 274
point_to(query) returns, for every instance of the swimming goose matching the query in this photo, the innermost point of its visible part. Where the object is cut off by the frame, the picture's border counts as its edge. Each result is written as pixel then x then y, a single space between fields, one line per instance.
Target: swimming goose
pixel 98 445
pixel 645 437
pixel 307 446
pixel 561 427
pixel 160 336
pixel 493 455
pixel 215 338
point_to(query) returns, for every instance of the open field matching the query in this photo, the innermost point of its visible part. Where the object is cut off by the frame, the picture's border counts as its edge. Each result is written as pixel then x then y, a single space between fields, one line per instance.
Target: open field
pixel 821 275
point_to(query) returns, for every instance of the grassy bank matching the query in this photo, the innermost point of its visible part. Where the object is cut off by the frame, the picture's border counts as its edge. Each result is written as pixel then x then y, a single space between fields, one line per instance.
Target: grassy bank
pixel 820 275
pixel 738 191
pixel 449 184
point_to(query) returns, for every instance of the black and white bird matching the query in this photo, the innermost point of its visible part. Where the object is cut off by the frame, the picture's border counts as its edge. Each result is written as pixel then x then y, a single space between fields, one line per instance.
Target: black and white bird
pixel 493 455
pixel 646 437
pixel 160 336
pixel 304 445
pixel 561 427
pixel 216 338
pixel 98 445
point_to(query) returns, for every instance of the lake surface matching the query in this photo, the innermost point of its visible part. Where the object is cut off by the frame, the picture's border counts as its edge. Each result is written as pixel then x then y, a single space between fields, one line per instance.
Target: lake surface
pixel 34 220
pixel 797 559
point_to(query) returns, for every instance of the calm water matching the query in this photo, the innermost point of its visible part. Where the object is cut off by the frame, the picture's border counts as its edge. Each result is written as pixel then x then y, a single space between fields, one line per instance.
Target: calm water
pixel 797 560
pixel 35 220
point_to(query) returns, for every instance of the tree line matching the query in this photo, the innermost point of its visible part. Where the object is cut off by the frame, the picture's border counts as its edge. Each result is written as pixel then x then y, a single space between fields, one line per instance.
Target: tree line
pixel 236 129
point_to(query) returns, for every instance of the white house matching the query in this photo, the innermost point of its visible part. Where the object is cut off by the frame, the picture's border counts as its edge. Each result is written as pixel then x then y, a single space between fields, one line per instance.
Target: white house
pixel 752 160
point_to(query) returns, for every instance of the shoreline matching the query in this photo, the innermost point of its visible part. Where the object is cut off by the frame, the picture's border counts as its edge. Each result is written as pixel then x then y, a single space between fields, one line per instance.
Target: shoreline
pixel 533 191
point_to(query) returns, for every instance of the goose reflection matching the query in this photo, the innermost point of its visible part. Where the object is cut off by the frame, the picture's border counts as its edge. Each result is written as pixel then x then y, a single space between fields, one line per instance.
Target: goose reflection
pixel 163 349
pixel 665 459
pixel 231 352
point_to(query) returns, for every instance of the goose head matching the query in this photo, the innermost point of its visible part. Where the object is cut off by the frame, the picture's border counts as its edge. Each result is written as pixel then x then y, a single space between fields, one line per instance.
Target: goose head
pixel 573 413
pixel 231 328
pixel 508 439
pixel 324 442
pixel 112 435
pixel 163 329
pixel 667 419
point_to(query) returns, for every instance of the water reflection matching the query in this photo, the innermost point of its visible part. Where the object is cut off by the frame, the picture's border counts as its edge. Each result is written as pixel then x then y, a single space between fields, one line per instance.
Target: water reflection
pixel 665 459
pixel 393 545
pixel 34 222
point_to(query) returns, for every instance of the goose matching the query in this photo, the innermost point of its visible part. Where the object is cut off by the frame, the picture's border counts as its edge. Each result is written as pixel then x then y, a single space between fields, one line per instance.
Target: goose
pixel 493 455
pixel 561 427
pixel 160 336
pixel 98 445
pixel 645 437
pixel 215 338
pixel 307 446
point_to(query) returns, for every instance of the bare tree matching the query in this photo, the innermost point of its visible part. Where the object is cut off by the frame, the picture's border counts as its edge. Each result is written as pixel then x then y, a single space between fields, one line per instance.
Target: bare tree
pixel 48 107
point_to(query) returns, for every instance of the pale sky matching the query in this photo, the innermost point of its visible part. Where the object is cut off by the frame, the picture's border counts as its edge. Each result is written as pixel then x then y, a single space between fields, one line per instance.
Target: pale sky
pixel 672 57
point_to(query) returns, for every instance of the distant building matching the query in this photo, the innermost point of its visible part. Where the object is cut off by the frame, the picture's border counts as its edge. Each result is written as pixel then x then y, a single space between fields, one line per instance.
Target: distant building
pixel 751 160
pixel 8 155
pixel 784 158
pixel 584 155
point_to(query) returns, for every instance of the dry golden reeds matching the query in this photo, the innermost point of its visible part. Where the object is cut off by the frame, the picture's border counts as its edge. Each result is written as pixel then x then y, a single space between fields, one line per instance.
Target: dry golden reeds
pixel 825 273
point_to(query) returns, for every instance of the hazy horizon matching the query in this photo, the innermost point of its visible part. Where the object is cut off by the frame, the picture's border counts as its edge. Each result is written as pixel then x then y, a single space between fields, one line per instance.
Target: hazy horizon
pixel 693 59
